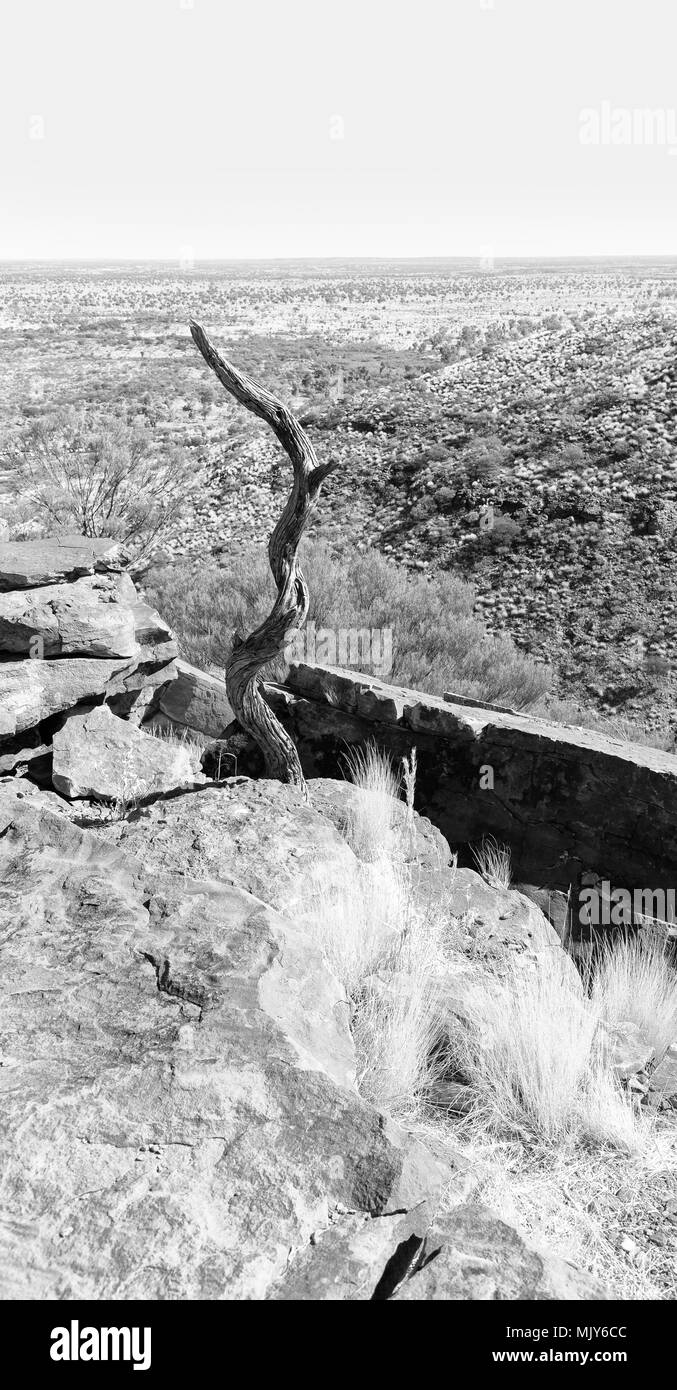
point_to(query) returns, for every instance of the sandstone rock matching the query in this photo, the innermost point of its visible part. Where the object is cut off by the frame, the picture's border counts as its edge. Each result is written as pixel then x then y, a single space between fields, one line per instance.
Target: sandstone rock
pixel 663 1084
pixel 420 840
pixel 197 701
pixel 352 1258
pixel 179 1109
pixel 95 635
pixel 564 799
pixel 626 1049
pixel 34 759
pixel 31 691
pixel 26 564
pixel 260 835
pixel 91 617
pixel 471 1255
pixel 95 754
pixel 453 1096
pixel 553 904
pixel 500 922
pixel 150 628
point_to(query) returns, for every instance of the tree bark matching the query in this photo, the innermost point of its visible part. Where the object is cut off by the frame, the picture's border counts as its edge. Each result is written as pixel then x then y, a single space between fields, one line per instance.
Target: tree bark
pixel 290 609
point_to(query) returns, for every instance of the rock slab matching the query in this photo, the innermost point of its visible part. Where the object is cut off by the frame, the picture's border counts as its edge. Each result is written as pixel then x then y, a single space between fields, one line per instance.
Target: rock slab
pixel 93 616
pixel 179 1104
pixel 97 755
pixel 54 560
pixel 472 1255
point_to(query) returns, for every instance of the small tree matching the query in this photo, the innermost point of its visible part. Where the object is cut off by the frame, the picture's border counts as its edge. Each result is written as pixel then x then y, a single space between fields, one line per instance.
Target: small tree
pixel 101 476
pixel 290 609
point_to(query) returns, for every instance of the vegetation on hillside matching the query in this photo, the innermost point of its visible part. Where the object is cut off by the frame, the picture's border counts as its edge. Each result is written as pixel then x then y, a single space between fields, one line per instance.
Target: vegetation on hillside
pixel 83 472
pixel 438 644
pixel 545 393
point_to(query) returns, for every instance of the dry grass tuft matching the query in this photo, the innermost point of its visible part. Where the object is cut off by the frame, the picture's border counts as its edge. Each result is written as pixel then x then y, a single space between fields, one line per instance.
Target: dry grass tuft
pixel 634 982
pixel 385 940
pixel 371 818
pixel 532 1055
pixel 493 861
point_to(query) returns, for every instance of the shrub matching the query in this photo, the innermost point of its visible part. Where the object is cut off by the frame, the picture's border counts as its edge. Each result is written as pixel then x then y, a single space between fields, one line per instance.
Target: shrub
pixel 437 643
pixel 370 827
pixel 644 518
pixel 98 475
pixel 484 458
pixel 531 1054
pixel 634 982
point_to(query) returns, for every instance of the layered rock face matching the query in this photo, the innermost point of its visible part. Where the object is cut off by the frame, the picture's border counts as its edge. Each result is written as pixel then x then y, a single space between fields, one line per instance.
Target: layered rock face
pixel 74 634
pixel 564 799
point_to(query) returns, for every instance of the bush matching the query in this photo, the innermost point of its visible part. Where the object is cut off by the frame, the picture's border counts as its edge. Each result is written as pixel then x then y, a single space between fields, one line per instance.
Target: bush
pixel 634 982
pixel 530 1049
pixel 100 476
pixel 437 643
pixel 644 518
pixel 484 458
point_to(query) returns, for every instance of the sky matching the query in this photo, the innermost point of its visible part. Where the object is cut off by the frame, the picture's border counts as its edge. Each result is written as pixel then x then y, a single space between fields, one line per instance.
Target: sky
pixel 197 129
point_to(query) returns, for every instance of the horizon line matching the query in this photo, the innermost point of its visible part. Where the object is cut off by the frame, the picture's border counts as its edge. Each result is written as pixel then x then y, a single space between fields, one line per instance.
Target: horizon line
pixel 230 260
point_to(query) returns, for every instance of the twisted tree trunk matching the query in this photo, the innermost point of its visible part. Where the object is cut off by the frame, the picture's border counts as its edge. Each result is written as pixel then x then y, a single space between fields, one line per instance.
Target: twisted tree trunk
pixel 290 609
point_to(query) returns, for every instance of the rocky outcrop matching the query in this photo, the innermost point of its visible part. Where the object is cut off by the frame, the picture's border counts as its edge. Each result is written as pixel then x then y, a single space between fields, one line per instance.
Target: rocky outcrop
pixel 663 1088
pixel 564 799
pixel 96 754
pixel 92 616
pixel 626 1049
pixel 55 560
pixel 72 631
pixel 181 1117
pixel 470 1254
pixel 182 1114
pixel 196 701
pixel 33 691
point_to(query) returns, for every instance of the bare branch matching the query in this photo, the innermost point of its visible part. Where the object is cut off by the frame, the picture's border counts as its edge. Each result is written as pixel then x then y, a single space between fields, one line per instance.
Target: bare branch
pixel 291 605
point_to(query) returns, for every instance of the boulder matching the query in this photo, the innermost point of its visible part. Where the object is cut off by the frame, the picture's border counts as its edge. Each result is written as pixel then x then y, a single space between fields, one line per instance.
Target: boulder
pixel 553 904
pixel 197 701
pixel 663 1084
pixel 352 1259
pixel 500 923
pixel 150 629
pixel 625 1048
pixel 97 755
pixel 91 617
pixel 31 691
pixel 418 838
pixel 564 799
pixel 74 629
pixel 260 835
pixel 472 1255
pixel 180 1111
pixel 55 560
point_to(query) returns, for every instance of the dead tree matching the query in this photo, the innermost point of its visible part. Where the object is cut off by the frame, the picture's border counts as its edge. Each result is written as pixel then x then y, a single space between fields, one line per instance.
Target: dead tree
pixel 290 609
